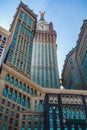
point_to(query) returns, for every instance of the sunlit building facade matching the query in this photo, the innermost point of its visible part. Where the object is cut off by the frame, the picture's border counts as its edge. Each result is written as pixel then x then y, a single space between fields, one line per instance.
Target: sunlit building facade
pixel 4 36
pixel 44 69
pixel 17 92
pixel 38 105
pixel 22 34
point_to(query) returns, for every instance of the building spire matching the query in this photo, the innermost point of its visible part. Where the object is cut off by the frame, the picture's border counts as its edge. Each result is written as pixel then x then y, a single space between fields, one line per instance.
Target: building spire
pixel 20 1
pixel 42 15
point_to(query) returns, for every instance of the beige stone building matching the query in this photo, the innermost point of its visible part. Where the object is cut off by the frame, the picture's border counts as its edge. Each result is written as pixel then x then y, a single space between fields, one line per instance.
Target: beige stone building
pixel 4 36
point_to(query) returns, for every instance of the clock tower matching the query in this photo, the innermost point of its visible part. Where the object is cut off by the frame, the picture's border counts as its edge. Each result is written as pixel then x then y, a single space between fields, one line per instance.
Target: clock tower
pixel 44 68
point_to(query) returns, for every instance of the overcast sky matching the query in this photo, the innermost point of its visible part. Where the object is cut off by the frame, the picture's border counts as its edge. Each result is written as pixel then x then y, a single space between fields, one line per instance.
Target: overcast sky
pixel 66 15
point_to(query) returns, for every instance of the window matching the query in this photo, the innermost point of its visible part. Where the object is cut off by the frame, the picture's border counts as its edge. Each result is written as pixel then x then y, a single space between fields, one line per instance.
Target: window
pixel 23 101
pixel 13 106
pixel 29 124
pixel 30 117
pixel 5 119
pixel 16 82
pixel 18 108
pixel 36 118
pixel 14 96
pixel 50 110
pixel 27 103
pixel 3 101
pixel 21 14
pixel 35 125
pixel 4 39
pixel 23 117
pixel 16 122
pixel 41 118
pixel 12 80
pixel 11 120
pixel 7 111
pixel 1 109
pixel 17 115
pixel 8 104
pixel 10 128
pixel 19 98
pixel 23 124
pixel 0 36
pixel 5 91
pixel 41 107
pixel 7 77
pixel 4 127
pixel 12 113
pixel 10 94
pixel 41 126
pixel 0 116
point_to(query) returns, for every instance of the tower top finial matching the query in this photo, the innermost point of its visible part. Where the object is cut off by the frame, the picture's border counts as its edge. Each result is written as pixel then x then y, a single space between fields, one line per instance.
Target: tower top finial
pixel 42 15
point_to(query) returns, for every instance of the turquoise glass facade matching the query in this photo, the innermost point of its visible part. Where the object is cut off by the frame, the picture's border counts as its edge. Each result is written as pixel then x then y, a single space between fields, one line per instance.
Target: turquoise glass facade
pixel 20 51
pixel 44 69
pixel 65 114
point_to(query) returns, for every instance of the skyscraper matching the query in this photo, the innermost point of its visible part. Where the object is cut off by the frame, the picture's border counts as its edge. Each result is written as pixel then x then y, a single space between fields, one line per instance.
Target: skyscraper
pixel 70 74
pixel 22 34
pixel 44 69
pixel 81 54
pixel 23 103
pixel 74 73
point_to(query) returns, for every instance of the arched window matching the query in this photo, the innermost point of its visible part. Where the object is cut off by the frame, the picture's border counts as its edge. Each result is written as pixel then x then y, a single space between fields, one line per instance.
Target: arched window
pixel 20 84
pixel 27 89
pixel 23 101
pixel 7 77
pixel 27 103
pixel 12 80
pixel 31 91
pixel 10 94
pixel 16 82
pixel 19 98
pixel 24 87
pixel 5 91
pixel 0 37
pixel 14 96
pixel 4 39
pixel 35 93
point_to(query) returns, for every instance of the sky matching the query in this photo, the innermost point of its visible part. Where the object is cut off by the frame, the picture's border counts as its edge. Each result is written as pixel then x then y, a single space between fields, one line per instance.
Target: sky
pixel 66 15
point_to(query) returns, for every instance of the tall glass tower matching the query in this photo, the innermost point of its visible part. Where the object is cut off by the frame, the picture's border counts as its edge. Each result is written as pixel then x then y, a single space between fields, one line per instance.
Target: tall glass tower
pixel 23 30
pixel 44 69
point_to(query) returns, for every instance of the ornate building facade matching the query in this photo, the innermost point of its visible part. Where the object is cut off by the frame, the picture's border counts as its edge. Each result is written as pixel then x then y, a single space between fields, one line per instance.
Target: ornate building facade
pixel 4 36
pixel 18 93
pixel 81 54
pixel 22 34
pixel 70 74
pixel 44 69
pixel 66 110
pixel 25 105
pixel 74 73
